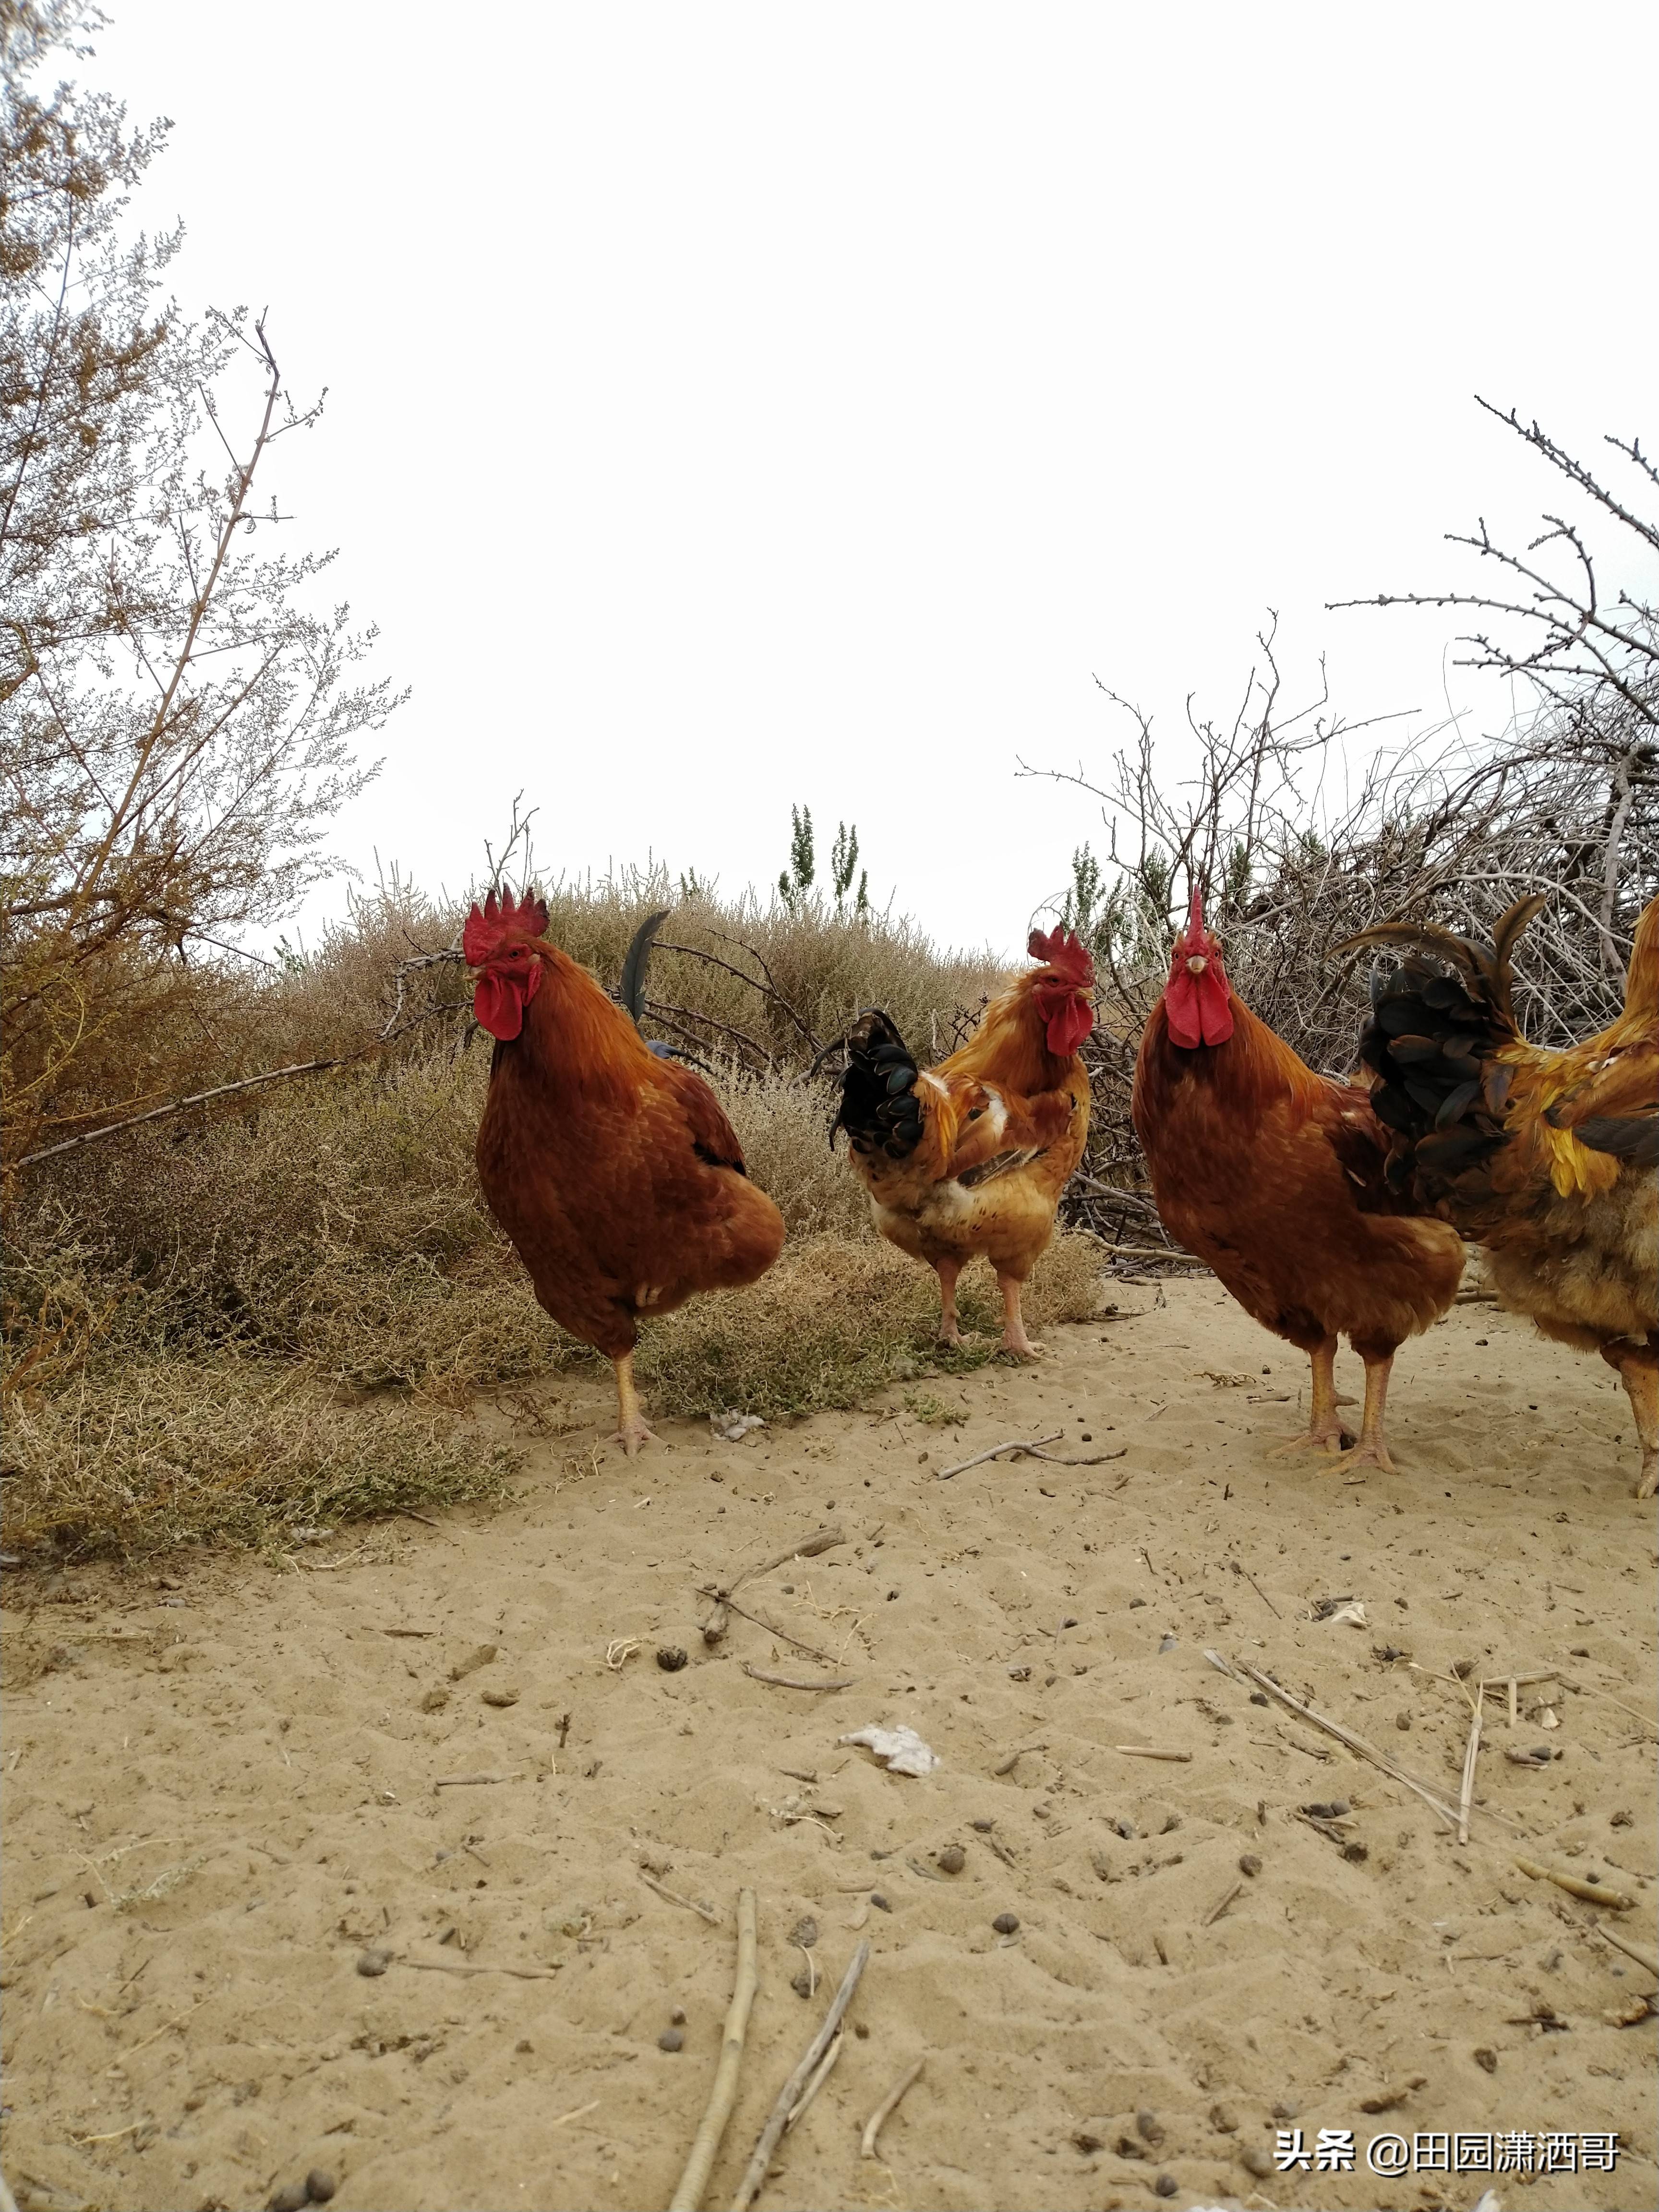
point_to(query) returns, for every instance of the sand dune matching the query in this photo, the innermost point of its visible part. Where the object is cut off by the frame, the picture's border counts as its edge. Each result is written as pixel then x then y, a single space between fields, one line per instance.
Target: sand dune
pixel 219 1795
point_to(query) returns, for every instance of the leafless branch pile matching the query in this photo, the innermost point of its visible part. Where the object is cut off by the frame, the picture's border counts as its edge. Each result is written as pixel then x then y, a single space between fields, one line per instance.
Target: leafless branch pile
pixel 1292 859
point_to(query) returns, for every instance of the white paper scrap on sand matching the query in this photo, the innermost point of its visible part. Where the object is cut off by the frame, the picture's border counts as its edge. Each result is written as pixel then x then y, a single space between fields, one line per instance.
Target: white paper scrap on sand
pixel 1352 1615
pixel 733 1428
pixel 902 1747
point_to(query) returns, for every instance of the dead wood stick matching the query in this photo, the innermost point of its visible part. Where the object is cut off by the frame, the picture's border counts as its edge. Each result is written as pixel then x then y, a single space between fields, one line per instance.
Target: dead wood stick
pixel 1648 1960
pixel 1221 1905
pixel 789 2096
pixel 1513 1707
pixel 822 1540
pixel 1593 1893
pixel 799 1681
pixel 1013 1758
pixel 1152 1751
pixel 884 2111
pixel 1466 1792
pixel 674 1898
pixel 723 2093
pixel 1092 1459
pixel 1257 1588
pixel 1493 1682
pixel 468 1781
pixel 1354 1743
pixel 724 1599
pixel 1590 1690
pixel 1016 1445
pixel 467 1966
pixel 821 2074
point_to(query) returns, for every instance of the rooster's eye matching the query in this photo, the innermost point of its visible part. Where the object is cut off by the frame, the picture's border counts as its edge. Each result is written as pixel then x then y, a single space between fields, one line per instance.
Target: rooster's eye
pixel 974 1113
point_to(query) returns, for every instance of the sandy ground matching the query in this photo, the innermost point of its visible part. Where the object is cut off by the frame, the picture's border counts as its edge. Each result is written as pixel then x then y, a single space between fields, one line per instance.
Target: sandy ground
pixel 219 1793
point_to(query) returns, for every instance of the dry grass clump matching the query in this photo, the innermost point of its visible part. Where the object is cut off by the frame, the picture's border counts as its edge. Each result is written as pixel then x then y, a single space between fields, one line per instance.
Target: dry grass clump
pixel 784 1129
pixel 837 1320
pixel 130 1461
pixel 195 1310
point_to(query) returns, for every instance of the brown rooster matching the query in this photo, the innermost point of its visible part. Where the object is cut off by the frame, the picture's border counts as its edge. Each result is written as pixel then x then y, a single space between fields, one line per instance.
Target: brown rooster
pixel 1546 1159
pixel 969 1157
pixel 1274 1176
pixel 614 1171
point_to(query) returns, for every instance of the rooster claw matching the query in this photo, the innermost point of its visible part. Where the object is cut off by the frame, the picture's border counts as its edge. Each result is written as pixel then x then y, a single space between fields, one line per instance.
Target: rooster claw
pixel 1021 1349
pixel 1334 1441
pixel 1365 1454
pixel 633 1435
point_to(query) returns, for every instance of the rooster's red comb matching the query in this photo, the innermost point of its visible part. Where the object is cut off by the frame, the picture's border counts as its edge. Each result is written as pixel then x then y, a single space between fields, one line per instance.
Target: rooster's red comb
pixel 1063 951
pixel 1195 937
pixel 487 925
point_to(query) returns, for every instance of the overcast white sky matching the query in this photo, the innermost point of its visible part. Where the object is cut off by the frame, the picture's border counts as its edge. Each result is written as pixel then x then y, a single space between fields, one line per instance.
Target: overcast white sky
pixel 731 406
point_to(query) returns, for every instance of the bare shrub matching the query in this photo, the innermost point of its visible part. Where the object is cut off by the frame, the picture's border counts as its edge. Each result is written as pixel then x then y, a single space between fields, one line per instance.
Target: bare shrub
pixel 1292 857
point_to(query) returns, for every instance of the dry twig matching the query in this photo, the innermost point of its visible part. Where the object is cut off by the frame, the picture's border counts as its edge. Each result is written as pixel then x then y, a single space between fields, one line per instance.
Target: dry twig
pixel 820 2074
pixel 887 2106
pixel 789 2095
pixel 1593 1893
pixel 673 1897
pixel 1028 1444
pixel 468 1966
pixel 1466 1791
pixel 1648 1960
pixel 724 2093
pixel 1354 1743
pixel 799 1681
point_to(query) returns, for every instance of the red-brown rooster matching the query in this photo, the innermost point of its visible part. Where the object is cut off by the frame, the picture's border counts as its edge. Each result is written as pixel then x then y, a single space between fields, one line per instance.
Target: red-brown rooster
pixel 1274 1176
pixel 971 1157
pixel 615 1172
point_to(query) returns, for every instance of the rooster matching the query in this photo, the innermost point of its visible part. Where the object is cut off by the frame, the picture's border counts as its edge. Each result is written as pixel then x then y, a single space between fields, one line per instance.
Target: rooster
pixel 614 1172
pixel 1275 1177
pixel 969 1157
pixel 1546 1159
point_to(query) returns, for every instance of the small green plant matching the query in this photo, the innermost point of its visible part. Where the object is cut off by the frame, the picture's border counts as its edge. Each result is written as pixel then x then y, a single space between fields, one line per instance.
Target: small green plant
pixel 795 883
pixel 933 1413
pixel 843 859
pixel 1087 905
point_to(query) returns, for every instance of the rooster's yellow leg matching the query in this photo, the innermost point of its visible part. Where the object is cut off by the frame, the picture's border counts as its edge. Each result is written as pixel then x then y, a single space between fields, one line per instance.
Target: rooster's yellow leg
pixel 949 1329
pixel 1324 1430
pixel 631 1427
pixel 1014 1339
pixel 1370 1450
pixel 1640 1370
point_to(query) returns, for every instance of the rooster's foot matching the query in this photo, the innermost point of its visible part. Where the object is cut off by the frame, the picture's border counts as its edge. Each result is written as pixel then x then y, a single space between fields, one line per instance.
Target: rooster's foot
pixel 1375 1454
pixel 1332 1439
pixel 1020 1347
pixel 633 1434
pixel 1649 1481
pixel 949 1332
